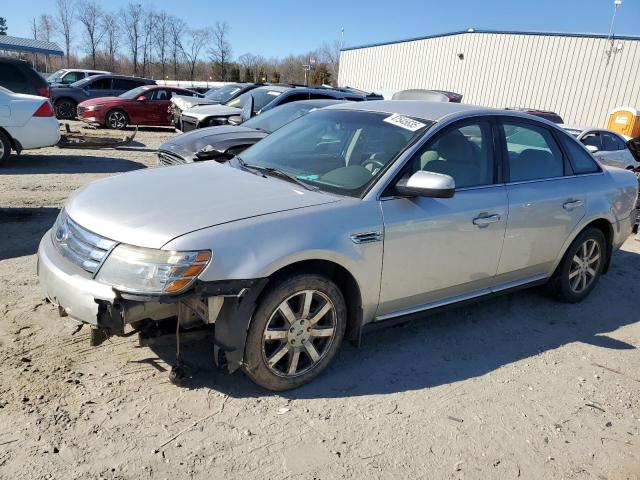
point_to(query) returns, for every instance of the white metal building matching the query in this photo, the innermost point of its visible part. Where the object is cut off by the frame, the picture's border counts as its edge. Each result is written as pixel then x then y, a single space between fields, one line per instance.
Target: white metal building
pixel 582 77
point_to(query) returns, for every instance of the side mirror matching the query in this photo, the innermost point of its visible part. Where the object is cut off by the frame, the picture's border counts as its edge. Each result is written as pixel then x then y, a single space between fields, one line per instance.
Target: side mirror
pixel 592 148
pixel 141 98
pixel 235 120
pixel 247 110
pixel 427 184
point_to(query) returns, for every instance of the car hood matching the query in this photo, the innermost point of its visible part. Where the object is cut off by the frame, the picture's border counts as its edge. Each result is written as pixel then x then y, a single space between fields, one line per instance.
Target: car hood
pixel 220 138
pixel 205 111
pixel 149 208
pixel 101 100
pixel 184 102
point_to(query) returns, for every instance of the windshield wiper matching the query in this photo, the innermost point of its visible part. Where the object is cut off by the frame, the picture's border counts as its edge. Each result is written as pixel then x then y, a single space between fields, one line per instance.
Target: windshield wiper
pixel 260 170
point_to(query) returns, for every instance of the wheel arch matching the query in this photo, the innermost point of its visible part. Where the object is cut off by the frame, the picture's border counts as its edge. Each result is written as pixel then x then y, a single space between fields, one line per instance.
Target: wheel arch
pixel 65 97
pixel 601 223
pixel 15 145
pixel 341 276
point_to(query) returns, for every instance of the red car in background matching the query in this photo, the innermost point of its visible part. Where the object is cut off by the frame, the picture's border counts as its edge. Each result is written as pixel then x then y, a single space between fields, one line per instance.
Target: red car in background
pixel 146 105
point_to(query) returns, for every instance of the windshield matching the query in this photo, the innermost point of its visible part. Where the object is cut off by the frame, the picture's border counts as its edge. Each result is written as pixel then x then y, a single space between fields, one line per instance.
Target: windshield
pixel 55 75
pixel 272 120
pixel 261 97
pixel 338 151
pixel 223 94
pixel 135 93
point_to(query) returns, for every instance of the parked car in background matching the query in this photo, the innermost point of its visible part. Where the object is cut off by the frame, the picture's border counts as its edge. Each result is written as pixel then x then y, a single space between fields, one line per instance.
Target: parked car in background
pixel 215 96
pixel 546 114
pixel 350 215
pixel 146 105
pixel 67 76
pixel 26 122
pixel 262 99
pixel 67 97
pixel 609 147
pixel 20 77
pixel 427 95
pixel 226 141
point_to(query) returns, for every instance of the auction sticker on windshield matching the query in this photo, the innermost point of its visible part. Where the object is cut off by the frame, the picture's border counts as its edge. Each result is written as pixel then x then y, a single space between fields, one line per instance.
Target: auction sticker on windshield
pixel 404 122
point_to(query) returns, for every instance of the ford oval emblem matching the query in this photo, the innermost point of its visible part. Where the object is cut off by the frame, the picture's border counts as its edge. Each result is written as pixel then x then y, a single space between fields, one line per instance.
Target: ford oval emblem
pixel 61 233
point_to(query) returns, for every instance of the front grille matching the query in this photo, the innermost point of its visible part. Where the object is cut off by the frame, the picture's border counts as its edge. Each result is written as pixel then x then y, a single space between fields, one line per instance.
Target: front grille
pixel 82 247
pixel 81 110
pixel 168 158
pixel 188 124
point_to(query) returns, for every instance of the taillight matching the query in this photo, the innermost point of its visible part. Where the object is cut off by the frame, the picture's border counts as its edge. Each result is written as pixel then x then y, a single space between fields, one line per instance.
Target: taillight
pixel 44 92
pixel 44 110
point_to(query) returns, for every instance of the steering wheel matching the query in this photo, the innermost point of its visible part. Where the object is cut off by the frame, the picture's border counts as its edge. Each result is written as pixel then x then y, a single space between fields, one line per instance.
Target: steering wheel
pixel 375 165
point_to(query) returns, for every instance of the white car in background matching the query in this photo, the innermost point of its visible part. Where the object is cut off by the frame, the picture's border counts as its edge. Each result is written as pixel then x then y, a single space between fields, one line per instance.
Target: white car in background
pixel 26 122
pixel 609 147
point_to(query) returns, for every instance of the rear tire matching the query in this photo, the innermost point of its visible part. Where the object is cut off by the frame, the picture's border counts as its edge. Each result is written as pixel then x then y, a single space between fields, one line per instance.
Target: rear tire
pixel 295 332
pixel 66 109
pixel 5 147
pixel 117 119
pixel 581 267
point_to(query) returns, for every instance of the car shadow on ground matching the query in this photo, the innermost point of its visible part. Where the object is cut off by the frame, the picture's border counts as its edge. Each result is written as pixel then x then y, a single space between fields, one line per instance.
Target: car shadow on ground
pixel 66 163
pixel 22 228
pixel 462 343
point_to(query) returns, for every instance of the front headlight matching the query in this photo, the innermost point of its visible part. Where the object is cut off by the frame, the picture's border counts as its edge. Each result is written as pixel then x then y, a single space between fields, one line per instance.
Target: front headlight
pixel 94 107
pixel 150 271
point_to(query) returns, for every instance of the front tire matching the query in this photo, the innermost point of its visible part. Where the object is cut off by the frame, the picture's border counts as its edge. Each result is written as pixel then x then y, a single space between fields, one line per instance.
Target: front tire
pixel 5 147
pixel 581 266
pixel 295 332
pixel 117 120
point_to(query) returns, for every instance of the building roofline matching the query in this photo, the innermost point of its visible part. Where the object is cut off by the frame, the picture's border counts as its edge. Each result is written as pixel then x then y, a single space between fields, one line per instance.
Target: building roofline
pixel 498 32
pixel 28 45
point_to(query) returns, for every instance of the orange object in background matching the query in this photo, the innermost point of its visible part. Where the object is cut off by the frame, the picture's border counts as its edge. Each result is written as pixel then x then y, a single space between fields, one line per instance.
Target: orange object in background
pixel 625 120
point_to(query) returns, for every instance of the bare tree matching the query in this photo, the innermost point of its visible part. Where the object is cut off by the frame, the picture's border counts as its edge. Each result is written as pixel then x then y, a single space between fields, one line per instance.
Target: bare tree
pixel 132 19
pixel 330 54
pixel 162 37
pixel 34 29
pixel 64 19
pixel 221 50
pixel 111 38
pixel 46 26
pixel 196 41
pixel 148 30
pixel 177 28
pixel 90 15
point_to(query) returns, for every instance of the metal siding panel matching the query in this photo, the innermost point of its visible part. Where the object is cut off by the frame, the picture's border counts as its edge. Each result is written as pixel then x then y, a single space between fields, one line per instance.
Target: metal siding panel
pixel 567 74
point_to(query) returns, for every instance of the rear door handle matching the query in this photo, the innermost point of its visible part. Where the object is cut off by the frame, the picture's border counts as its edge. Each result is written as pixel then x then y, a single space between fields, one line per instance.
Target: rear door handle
pixel 485 220
pixel 571 204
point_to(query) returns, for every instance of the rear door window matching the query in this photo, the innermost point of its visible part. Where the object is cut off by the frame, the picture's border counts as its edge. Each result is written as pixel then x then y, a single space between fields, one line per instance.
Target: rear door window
pixel 611 142
pixel 100 84
pixel 125 84
pixel 532 152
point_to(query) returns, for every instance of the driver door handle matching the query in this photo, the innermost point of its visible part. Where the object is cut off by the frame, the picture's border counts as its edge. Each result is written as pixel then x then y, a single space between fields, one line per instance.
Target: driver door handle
pixel 485 220
pixel 571 204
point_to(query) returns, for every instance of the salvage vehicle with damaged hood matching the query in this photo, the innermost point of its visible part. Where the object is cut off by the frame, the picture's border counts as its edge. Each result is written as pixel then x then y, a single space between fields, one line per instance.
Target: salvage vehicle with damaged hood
pixel 350 216
pixel 215 96
pixel 226 141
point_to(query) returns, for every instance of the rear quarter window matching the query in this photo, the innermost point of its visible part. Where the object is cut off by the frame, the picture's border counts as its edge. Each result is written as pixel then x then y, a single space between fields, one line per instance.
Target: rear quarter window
pixel 11 73
pixel 581 161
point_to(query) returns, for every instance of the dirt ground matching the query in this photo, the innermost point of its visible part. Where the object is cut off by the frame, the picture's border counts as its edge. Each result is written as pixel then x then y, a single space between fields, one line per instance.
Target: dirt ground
pixel 520 386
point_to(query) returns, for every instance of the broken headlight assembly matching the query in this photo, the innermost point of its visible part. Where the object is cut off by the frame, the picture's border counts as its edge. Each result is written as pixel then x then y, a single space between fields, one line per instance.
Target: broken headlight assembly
pixel 152 272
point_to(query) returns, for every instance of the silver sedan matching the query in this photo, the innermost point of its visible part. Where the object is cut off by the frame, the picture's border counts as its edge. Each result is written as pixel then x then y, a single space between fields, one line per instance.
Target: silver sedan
pixel 348 217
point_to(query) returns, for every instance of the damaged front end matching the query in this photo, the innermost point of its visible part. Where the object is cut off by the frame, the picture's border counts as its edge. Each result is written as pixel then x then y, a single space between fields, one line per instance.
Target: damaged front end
pixel 223 309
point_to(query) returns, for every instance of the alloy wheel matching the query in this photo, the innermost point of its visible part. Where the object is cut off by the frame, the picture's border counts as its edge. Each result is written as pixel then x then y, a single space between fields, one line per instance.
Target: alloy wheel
pixel 117 120
pixel 299 333
pixel 584 265
pixel 65 109
pixel 1 149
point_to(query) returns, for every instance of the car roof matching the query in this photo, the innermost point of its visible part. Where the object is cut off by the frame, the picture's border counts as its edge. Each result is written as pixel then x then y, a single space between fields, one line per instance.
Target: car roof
pixel 111 75
pixel 274 88
pixel 580 129
pixel 431 111
pixel 320 103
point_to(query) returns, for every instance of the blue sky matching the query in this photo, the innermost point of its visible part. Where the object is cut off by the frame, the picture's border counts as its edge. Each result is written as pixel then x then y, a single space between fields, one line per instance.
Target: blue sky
pixel 277 28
